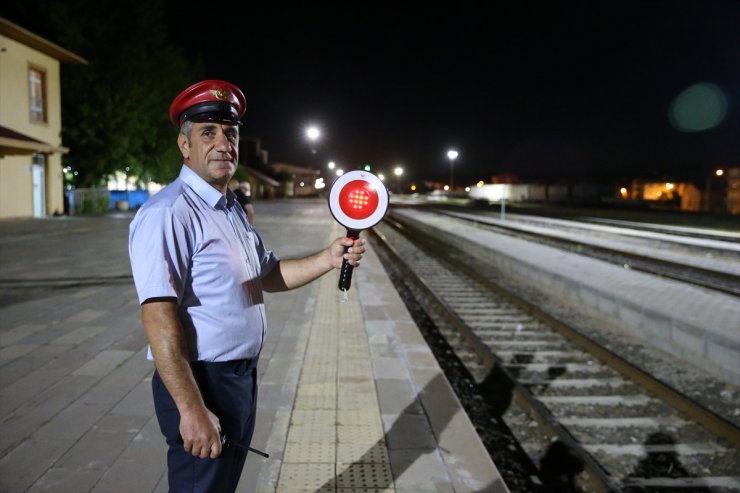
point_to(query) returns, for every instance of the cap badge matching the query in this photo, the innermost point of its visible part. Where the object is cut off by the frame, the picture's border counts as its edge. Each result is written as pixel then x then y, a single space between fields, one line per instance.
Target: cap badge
pixel 220 94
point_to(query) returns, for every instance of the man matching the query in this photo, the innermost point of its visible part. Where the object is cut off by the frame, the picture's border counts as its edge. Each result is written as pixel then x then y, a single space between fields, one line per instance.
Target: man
pixel 200 269
pixel 241 190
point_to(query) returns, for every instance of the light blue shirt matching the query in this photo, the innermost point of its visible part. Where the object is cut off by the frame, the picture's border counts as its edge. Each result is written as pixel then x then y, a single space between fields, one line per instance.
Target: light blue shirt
pixel 194 244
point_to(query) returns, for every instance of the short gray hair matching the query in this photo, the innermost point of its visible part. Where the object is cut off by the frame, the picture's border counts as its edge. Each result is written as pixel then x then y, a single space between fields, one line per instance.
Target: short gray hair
pixel 186 128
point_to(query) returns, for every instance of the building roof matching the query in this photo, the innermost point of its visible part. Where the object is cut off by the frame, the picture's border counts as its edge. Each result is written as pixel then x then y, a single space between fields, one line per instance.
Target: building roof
pixel 17 33
pixel 14 143
pixel 262 177
pixel 294 169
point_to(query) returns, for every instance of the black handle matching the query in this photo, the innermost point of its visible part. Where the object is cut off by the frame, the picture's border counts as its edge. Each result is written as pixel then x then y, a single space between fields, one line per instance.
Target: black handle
pixel 345 275
pixel 227 442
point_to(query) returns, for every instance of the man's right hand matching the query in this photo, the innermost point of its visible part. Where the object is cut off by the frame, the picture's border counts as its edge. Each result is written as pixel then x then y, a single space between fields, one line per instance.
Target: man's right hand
pixel 199 430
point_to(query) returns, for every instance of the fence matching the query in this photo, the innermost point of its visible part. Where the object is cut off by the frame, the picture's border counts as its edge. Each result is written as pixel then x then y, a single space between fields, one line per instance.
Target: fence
pixel 131 199
pixel 87 201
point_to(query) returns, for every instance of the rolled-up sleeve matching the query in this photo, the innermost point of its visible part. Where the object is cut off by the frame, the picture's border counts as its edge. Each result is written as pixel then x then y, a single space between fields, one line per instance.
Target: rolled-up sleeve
pixel 160 250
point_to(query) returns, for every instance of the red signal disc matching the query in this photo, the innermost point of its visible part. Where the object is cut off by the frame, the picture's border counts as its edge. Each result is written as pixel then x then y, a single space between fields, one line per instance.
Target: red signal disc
pixel 358 199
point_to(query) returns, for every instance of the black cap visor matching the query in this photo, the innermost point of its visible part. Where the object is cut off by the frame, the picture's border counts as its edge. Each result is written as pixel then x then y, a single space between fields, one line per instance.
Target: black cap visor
pixel 211 111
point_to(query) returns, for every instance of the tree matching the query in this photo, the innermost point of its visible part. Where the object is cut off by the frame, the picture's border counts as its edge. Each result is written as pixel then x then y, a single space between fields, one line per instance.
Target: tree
pixel 114 110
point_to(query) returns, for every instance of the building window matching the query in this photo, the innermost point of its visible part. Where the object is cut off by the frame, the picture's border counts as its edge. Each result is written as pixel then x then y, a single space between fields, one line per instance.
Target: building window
pixel 37 85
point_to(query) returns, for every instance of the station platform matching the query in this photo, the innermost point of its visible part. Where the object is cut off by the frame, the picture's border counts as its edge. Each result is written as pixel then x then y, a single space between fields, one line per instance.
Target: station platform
pixel 351 398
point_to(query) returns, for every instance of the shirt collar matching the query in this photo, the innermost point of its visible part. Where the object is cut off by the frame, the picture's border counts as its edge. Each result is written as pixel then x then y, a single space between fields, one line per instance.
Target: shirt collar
pixel 204 190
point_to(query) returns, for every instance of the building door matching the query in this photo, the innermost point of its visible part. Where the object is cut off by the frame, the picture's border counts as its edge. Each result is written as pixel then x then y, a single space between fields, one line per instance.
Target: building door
pixel 39 185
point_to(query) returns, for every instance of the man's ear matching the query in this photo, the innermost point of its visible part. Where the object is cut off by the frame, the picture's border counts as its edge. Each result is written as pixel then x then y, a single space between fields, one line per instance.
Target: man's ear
pixel 182 143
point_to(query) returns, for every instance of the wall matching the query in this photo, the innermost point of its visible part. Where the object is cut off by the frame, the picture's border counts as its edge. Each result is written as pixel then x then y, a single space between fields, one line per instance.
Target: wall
pixel 16 190
pixel 16 186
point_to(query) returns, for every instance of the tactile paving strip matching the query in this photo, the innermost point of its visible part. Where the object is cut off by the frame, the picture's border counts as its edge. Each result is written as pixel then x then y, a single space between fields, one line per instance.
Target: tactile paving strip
pixel 365 387
pixel 357 401
pixel 360 434
pixel 314 416
pixel 373 475
pixel 312 433
pixel 306 477
pixel 322 453
pixel 324 388
pixel 362 453
pixel 315 402
pixel 310 453
pixel 389 489
pixel 355 372
pixel 358 417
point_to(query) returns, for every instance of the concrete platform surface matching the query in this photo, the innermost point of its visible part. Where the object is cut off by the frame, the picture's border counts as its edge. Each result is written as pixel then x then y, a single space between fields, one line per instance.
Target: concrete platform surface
pixel 351 398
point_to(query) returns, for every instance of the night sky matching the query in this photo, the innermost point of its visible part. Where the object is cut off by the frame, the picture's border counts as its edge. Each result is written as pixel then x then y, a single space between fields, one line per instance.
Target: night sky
pixel 575 90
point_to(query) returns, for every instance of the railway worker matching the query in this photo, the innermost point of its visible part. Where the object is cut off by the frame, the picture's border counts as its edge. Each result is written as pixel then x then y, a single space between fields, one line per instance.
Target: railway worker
pixel 200 269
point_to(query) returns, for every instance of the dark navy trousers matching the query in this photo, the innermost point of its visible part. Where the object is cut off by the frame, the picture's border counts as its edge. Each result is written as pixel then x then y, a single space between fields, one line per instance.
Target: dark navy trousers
pixel 229 390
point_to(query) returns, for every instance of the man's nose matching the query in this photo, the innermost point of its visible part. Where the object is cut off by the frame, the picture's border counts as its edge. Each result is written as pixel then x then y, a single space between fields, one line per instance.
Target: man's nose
pixel 223 144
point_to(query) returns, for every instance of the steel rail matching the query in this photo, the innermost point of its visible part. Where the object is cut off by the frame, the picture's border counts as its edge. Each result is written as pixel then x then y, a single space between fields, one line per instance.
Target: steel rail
pixel 699 413
pixel 598 479
pixel 707 278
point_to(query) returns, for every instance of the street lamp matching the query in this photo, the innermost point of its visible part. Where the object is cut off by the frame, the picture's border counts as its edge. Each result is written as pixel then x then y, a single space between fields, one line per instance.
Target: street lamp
pixel 452 155
pixel 708 188
pixel 313 134
pixel 398 171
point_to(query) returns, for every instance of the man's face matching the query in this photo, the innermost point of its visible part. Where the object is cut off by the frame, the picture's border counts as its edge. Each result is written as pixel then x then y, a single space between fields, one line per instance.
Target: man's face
pixel 213 152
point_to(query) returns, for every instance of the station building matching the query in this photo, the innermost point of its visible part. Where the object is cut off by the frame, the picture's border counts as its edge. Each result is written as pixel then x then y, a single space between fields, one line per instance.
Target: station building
pixel 31 181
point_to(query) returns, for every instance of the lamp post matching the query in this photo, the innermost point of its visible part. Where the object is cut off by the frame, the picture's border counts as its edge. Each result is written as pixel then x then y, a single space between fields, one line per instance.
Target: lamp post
pixel 452 155
pixel 398 171
pixel 708 188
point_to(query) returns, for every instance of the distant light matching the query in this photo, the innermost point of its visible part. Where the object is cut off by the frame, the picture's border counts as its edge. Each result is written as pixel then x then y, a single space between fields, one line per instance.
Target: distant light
pixel 398 171
pixel 319 184
pixel 719 172
pixel 452 154
pixel 366 167
pixel 331 165
pixel 700 107
pixel 446 188
pixel 302 184
pixel 313 133
pixel 623 192
pixel 669 186
pixel 479 184
pixel 413 188
pixel 381 176
pixel 340 172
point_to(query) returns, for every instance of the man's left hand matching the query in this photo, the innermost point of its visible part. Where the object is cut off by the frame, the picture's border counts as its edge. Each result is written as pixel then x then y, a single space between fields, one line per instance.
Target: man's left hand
pixel 353 253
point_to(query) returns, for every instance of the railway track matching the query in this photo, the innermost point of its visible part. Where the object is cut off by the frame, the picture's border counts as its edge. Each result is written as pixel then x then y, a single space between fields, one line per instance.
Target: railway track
pixel 651 260
pixel 566 399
